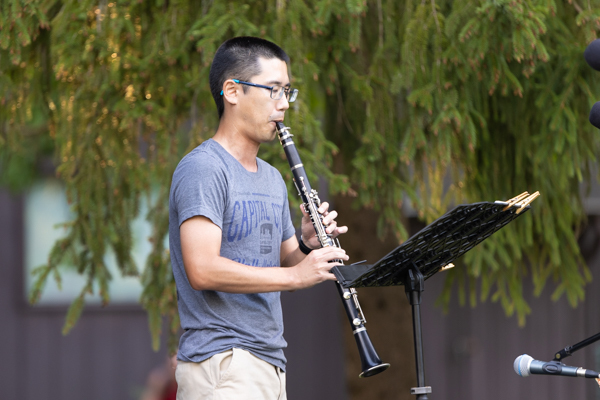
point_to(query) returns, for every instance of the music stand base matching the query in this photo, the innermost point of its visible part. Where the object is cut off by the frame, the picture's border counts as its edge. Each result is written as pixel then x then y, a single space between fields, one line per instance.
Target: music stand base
pixel 421 392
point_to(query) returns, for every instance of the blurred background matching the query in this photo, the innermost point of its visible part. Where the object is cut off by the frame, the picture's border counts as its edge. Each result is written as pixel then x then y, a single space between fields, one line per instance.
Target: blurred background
pixel 406 109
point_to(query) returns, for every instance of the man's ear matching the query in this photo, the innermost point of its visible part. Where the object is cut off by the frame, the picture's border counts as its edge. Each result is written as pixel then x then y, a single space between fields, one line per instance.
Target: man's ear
pixel 230 94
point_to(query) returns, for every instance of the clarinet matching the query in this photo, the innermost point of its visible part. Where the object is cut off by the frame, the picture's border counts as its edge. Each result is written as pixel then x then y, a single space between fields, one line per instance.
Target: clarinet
pixel 371 364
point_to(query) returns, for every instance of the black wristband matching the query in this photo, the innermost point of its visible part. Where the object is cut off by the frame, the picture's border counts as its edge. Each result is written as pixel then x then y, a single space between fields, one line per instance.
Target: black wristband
pixel 304 248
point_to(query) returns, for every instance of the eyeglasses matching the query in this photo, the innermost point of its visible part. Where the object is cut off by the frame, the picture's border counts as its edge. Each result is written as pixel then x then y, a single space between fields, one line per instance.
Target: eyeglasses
pixel 277 92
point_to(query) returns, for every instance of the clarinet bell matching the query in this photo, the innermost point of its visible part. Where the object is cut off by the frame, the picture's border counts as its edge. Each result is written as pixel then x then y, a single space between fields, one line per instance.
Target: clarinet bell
pixel 370 362
pixel 374 370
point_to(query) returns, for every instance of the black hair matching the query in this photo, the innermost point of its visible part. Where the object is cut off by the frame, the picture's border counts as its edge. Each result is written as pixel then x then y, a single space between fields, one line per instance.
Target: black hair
pixel 237 58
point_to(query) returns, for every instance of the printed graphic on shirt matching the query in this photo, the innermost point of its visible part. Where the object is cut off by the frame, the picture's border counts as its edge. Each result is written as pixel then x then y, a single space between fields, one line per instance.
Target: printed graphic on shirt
pixel 251 215
pixel 266 238
pixel 256 262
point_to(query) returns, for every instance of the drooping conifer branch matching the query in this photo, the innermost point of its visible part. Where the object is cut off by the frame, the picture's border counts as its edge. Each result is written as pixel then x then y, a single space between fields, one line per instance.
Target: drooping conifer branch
pixel 432 102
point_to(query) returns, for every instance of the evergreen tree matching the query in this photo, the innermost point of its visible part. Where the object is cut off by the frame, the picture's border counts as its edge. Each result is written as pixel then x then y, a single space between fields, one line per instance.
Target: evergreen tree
pixel 432 103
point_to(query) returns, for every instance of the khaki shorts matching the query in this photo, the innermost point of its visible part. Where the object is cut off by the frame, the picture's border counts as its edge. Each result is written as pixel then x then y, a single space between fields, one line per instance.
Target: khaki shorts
pixel 231 375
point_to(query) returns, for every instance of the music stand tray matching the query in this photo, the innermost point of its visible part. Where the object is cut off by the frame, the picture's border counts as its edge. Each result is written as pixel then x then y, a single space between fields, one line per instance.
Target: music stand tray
pixel 429 251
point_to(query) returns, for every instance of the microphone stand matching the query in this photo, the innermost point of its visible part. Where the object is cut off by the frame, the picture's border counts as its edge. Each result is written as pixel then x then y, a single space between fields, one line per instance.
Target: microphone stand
pixel 569 350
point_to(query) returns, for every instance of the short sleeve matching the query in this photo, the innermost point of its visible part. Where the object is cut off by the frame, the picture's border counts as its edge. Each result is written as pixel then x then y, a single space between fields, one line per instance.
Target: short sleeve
pixel 199 188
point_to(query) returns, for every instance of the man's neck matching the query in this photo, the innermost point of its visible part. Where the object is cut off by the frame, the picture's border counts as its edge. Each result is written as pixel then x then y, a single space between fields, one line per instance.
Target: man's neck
pixel 238 145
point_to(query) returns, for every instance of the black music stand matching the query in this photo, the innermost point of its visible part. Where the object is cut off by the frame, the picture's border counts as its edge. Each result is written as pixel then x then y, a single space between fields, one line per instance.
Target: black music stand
pixel 427 252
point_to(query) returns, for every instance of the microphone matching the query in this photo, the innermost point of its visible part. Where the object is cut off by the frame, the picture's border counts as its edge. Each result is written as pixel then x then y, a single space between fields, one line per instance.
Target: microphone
pixel 595 114
pixel 592 57
pixel 592 54
pixel 525 365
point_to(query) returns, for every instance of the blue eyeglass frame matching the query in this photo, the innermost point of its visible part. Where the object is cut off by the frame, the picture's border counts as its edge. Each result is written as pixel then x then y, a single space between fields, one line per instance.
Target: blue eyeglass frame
pixel 290 93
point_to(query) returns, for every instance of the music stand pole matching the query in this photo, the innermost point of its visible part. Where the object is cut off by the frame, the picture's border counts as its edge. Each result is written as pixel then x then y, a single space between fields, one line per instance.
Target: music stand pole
pixel 414 284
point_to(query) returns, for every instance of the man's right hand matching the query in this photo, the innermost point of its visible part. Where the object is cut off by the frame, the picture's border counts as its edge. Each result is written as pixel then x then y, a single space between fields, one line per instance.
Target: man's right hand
pixel 315 267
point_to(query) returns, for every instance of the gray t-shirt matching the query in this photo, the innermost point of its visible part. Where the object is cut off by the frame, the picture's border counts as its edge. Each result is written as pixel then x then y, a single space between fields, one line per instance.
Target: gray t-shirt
pixel 253 213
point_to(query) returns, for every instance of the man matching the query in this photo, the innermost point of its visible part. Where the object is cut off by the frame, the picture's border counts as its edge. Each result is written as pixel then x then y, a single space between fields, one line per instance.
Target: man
pixel 233 247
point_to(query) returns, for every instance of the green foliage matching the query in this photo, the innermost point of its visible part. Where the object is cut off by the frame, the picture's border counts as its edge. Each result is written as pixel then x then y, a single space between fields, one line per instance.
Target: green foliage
pixel 472 101
pixel 429 102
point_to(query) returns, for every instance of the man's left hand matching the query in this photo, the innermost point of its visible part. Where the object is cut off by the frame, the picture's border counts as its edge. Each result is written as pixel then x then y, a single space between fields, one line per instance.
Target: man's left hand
pixel 309 236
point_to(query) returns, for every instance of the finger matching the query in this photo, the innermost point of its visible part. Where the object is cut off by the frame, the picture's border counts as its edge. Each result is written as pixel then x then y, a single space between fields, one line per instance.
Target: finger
pixel 331 277
pixel 303 210
pixel 326 256
pixel 340 230
pixel 336 256
pixel 331 227
pixel 331 265
pixel 323 207
pixel 330 217
pixel 325 251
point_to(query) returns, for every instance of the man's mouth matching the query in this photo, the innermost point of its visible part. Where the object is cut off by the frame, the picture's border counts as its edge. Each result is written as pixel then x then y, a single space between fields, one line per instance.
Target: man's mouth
pixel 276 119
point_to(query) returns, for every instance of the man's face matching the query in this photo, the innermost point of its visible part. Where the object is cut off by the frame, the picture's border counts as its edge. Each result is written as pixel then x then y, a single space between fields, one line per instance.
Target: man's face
pixel 258 110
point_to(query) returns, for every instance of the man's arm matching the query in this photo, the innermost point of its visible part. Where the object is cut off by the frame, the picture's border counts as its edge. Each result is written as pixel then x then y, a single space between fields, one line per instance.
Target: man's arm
pixel 207 270
pixel 290 252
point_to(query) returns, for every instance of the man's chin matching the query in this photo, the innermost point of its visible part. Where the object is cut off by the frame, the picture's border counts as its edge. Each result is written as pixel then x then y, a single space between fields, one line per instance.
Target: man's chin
pixel 273 135
pixel 270 136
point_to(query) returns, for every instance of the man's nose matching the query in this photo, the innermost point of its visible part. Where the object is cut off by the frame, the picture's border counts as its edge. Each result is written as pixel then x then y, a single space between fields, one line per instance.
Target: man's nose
pixel 283 103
